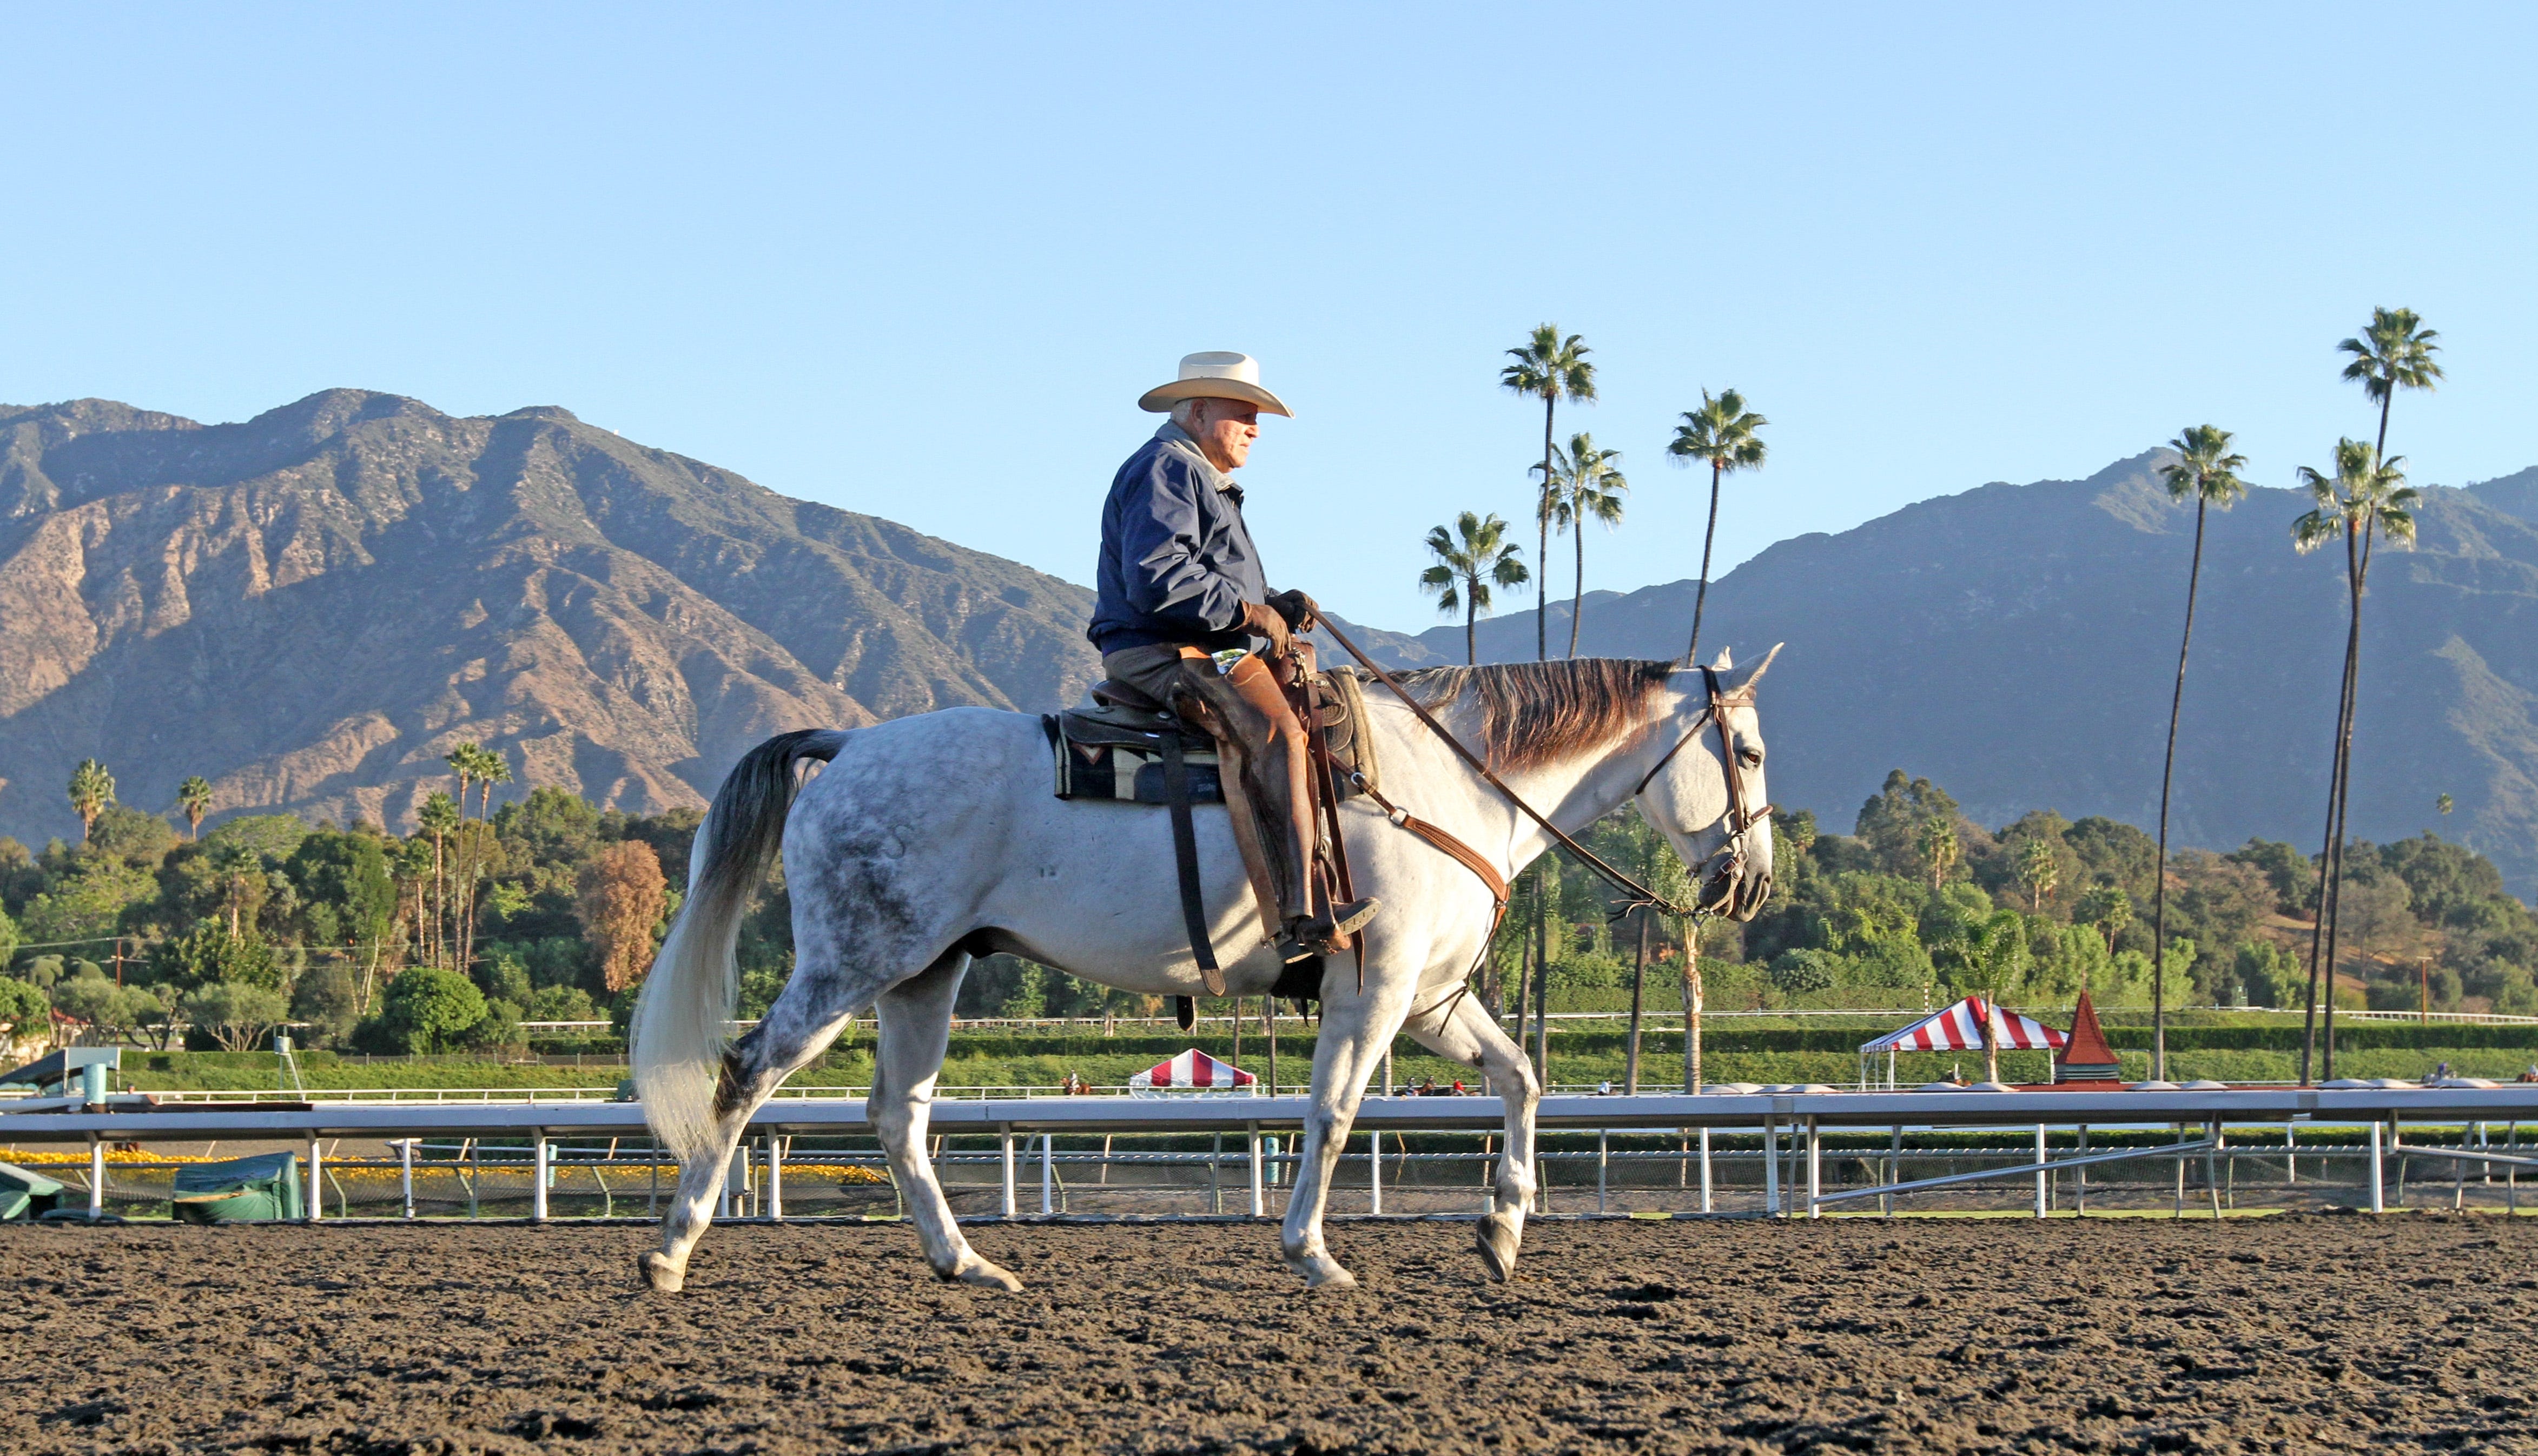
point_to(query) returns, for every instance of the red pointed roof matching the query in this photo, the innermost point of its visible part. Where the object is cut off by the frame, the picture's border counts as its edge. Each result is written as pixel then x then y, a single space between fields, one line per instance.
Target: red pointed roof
pixel 2088 1046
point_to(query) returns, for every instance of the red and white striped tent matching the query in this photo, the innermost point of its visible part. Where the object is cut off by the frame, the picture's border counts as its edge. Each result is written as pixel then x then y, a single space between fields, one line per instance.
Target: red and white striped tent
pixel 1958 1028
pixel 1194 1070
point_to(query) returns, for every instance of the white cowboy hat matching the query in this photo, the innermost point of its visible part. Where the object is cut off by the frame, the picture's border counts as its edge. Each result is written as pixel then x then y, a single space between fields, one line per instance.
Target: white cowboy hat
pixel 1215 374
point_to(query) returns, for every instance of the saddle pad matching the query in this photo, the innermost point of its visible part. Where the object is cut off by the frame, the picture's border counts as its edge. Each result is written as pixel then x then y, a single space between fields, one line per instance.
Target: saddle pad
pixel 1098 757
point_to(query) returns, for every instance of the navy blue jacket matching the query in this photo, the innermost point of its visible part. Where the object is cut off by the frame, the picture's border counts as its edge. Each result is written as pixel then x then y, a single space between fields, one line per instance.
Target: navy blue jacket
pixel 1177 561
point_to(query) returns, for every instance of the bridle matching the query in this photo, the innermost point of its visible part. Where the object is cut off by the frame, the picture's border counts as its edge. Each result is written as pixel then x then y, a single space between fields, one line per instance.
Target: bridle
pixel 1726 869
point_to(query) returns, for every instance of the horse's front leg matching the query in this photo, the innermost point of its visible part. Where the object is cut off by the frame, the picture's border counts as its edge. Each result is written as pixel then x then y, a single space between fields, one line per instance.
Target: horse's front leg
pixel 1464 1032
pixel 1356 1028
pixel 916 1027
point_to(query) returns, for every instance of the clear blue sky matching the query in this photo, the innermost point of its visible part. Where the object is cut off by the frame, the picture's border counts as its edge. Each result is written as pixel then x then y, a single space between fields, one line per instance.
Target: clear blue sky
pixel 920 261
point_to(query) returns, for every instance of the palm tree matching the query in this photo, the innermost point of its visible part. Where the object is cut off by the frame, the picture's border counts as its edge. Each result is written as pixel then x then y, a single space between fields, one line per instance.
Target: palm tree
pixel 2207 470
pixel 91 790
pixel 194 796
pixel 492 770
pixel 2395 352
pixel 462 762
pixel 1723 433
pixel 1470 559
pixel 1551 369
pixel 437 818
pixel 2040 871
pixel 2364 499
pixel 1584 483
pixel 1938 846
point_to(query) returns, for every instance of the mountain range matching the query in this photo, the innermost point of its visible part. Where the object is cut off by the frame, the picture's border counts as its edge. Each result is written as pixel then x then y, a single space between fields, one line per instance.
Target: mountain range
pixel 311 606
pixel 2017 645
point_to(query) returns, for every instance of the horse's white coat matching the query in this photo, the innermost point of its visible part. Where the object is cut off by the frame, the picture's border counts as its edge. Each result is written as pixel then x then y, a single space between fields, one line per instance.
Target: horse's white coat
pixel 926 830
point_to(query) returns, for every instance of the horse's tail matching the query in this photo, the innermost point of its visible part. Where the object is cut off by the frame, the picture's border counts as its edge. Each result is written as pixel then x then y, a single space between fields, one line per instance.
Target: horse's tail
pixel 683 1019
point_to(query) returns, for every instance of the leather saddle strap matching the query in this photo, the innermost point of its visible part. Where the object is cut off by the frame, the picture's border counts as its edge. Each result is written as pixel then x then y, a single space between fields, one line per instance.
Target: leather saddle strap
pixel 1611 875
pixel 1186 863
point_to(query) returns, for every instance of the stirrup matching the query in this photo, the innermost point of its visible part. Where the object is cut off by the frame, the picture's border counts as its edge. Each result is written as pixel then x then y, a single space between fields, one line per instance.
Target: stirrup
pixel 1320 936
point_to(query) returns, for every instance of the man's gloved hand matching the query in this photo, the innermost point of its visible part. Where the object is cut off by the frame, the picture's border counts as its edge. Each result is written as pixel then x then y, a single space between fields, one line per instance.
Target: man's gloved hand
pixel 1262 621
pixel 1303 613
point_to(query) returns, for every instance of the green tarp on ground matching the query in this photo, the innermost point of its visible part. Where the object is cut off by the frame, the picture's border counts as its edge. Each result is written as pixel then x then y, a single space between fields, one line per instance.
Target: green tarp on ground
pixel 241 1190
pixel 26 1194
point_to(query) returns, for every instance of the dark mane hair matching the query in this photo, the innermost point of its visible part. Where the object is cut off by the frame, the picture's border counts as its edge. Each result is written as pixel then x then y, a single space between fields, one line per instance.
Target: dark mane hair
pixel 1535 712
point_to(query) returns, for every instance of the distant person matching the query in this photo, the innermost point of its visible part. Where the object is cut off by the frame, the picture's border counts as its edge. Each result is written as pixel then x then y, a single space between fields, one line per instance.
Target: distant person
pixel 1181 594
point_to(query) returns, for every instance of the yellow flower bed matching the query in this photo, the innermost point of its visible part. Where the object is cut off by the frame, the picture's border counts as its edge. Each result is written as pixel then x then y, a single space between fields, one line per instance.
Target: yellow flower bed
pixel 38 1159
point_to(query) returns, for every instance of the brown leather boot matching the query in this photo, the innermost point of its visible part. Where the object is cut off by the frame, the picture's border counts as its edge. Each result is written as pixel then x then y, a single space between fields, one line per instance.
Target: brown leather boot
pixel 1321 935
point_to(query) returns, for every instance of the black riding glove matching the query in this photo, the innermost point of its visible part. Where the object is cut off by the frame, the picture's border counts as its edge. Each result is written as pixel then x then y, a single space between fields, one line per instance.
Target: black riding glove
pixel 1300 610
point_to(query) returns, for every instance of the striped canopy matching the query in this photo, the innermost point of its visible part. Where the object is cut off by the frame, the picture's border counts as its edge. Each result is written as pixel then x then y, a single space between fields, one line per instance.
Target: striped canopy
pixel 1194 1068
pixel 1959 1028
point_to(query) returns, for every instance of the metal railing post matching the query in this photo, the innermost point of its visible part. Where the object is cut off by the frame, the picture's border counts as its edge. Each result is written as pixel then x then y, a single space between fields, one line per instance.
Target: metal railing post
pixel 1704 1170
pixel 1005 1142
pixel 1815 1170
pixel 96 1173
pixel 1047 1173
pixel 1259 1197
pixel 316 1205
pixel 774 1176
pixel 1603 1155
pixel 1374 1173
pixel 2044 1175
pixel 542 1159
pixel 1770 1169
pixel 405 1172
pixel 2377 1169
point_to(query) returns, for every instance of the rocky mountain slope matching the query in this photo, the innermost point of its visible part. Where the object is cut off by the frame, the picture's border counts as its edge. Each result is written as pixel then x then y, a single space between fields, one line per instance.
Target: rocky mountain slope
pixel 309 608
pixel 2018 643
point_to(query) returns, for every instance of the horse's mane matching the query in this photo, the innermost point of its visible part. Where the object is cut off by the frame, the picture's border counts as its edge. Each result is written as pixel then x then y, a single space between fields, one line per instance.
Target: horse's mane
pixel 1537 713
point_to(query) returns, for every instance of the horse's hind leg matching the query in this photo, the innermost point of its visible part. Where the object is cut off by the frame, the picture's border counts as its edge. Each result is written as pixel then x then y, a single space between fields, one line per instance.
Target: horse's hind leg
pixel 804 1019
pixel 1355 1030
pixel 1466 1034
pixel 916 1027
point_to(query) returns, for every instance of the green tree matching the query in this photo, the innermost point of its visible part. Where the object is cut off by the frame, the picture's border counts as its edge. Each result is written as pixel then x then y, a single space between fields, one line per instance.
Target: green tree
pixel 2207 470
pixel 194 797
pixel 2364 499
pixel 351 898
pixel 462 762
pixel 88 905
pixel 1470 559
pixel 430 1009
pixel 1728 435
pixel 22 1009
pixel 237 1015
pixel 92 789
pixel 210 954
pixel 1989 959
pixel 1550 368
pixel 1585 484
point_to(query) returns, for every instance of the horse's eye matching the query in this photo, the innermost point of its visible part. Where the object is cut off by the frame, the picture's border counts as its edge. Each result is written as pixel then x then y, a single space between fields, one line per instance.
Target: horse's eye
pixel 1753 757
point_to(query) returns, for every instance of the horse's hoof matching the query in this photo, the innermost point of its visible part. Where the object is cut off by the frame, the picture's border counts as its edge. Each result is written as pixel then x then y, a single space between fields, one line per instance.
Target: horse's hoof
pixel 659 1273
pixel 1498 1244
pixel 982 1275
pixel 1323 1272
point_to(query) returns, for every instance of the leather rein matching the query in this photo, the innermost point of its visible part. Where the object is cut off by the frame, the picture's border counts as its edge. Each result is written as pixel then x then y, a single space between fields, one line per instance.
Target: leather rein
pixel 1739 819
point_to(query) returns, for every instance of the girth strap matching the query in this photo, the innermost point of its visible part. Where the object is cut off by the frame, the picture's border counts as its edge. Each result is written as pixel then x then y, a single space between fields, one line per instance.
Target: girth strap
pixel 1185 862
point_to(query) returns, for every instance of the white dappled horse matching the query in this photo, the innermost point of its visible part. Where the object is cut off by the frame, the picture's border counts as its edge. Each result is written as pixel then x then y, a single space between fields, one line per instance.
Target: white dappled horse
pixel 931 840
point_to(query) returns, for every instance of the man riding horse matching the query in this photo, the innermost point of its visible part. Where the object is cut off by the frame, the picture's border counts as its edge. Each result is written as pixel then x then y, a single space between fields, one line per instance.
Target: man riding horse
pixel 1182 594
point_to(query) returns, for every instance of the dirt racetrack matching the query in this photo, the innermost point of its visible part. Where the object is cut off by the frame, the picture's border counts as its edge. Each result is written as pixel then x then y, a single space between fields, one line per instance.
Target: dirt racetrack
pixel 2120 1335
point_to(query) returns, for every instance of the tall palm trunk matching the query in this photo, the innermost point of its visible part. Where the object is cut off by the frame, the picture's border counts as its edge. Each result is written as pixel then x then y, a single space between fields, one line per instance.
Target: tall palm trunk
pixel 1638 980
pixel 1577 600
pixel 1991 1044
pixel 1471 620
pixel 1542 553
pixel 2330 860
pixel 1701 599
pixel 1692 997
pixel 2166 780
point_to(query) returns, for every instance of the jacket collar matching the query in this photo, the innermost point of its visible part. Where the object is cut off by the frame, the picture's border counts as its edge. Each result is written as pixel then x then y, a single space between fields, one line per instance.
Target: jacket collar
pixel 1173 434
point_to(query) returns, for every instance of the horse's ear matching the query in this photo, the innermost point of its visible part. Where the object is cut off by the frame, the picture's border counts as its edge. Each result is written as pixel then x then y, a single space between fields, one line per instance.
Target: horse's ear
pixel 1726 660
pixel 1745 681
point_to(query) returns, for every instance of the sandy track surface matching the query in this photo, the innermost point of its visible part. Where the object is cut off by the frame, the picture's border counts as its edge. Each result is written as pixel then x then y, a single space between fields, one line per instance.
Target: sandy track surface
pixel 2132 1335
